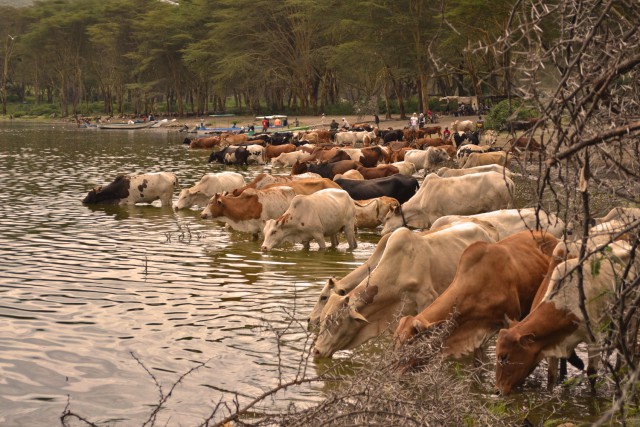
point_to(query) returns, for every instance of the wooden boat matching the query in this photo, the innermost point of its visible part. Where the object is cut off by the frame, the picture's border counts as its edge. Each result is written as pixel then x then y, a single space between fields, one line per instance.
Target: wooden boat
pixel 126 126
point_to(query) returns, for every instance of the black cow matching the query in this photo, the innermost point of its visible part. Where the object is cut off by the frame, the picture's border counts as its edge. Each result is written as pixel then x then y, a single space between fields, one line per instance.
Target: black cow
pixel 392 135
pixel 400 187
pixel 325 169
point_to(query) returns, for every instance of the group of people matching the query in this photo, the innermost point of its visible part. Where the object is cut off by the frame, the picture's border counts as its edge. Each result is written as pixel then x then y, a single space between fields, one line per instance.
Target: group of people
pixel 419 121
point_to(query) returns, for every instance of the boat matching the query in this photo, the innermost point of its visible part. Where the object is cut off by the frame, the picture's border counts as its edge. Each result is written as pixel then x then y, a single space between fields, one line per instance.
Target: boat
pixel 126 126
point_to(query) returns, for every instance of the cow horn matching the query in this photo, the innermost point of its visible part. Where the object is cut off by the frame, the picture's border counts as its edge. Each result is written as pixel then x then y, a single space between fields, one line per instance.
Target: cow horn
pixel 508 323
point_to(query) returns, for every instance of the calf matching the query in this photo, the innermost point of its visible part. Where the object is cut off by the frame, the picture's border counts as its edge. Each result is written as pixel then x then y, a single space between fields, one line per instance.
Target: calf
pixel 132 189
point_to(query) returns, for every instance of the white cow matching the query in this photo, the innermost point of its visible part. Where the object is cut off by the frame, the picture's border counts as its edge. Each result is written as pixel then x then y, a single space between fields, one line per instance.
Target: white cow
pixel 426 159
pixel 462 125
pixel 129 190
pixel 413 271
pixel 493 158
pixel 371 213
pixel 350 174
pixel 446 172
pixel 312 217
pixel 249 211
pixel 288 159
pixel 405 168
pixel 208 185
pixel 627 215
pixel 460 195
pixel 510 221
pixel 347 138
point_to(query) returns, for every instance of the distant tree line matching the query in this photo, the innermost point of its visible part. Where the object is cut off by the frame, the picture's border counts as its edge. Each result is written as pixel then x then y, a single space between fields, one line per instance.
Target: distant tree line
pixel 300 56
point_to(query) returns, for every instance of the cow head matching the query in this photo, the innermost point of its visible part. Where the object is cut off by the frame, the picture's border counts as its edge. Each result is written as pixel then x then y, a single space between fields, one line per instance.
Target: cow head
pixel 215 207
pixel 341 322
pixel 393 220
pixel 273 235
pixel 329 289
pixel 516 357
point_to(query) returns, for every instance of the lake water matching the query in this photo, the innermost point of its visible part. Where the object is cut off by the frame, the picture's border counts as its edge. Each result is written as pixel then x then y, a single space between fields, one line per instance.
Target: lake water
pixel 84 288
pixel 89 292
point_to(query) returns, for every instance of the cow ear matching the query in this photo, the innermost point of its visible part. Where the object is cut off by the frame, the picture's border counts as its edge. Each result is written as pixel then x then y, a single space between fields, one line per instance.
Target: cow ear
pixel 357 316
pixel 525 340
pixel 331 282
pixel 341 292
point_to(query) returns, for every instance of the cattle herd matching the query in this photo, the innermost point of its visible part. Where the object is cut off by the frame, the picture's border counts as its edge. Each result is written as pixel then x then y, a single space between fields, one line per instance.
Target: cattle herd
pixel 451 246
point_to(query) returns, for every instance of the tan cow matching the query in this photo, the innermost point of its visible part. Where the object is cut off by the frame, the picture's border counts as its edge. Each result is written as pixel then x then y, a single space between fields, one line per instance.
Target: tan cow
pixel 207 187
pixel 492 280
pixel 413 270
pixel 306 186
pixel 460 195
pixel 493 158
pixel 370 213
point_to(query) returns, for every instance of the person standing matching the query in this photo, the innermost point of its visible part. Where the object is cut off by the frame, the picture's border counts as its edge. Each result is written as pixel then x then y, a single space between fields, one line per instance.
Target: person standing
pixel 421 121
pixel 265 124
pixel 413 122
pixel 376 119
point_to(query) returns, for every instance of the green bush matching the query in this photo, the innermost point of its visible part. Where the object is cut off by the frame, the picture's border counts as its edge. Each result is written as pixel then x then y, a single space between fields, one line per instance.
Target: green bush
pixel 498 115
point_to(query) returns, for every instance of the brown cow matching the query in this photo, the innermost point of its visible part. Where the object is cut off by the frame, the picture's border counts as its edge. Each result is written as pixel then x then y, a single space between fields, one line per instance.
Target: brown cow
pixel 492 280
pixel 524 143
pixel 272 151
pixel 398 155
pixel 429 142
pixel 378 171
pixel 233 139
pixel 431 130
pixel 208 142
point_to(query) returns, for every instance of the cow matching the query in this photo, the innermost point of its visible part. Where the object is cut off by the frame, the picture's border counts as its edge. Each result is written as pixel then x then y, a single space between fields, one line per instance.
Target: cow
pixel 523 143
pixel 405 168
pixel 263 179
pixel 370 213
pixel 392 135
pixel 231 138
pixel 426 159
pixel 514 125
pixel 430 130
pixel 481 159
pixel 621 213
pixel 492 280
pixel 379 171
pixel 273 151
pixel 132 189
pixel 307 186
pixel 256 154
pixel 230 155
pixel 460 195
pixel 208 142
pixel 350 174
pixel 400 187
pixel 289 159
pixel 312 217
pixel 208 185
pixel 446 172
pixel 413 270
pixel 429 142
pixel 556 325
pixel 249 211
pixel 462 125
pixel 325 169
pixel 511 221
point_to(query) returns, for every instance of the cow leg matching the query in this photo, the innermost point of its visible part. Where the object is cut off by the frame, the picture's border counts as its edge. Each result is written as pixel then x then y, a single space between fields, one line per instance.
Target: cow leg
pixel 334 240
pixel 350 233
pixel 305 244
pixel 552 372
pixel 320 239
pixel 478 356
pixel 592 366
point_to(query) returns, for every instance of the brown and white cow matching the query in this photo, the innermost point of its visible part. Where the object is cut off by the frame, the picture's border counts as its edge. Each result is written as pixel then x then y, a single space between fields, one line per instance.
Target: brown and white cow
pixel 312 217
pixel 557 324
pixel 208 185
pixel 132 189
pixel 461 195
pixel 250 210
pixel 492 280
pixel 413 270
pixel 370 213
pixel 263 179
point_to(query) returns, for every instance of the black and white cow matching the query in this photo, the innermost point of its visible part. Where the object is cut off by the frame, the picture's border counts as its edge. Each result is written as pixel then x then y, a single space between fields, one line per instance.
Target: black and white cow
pixel 129 190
